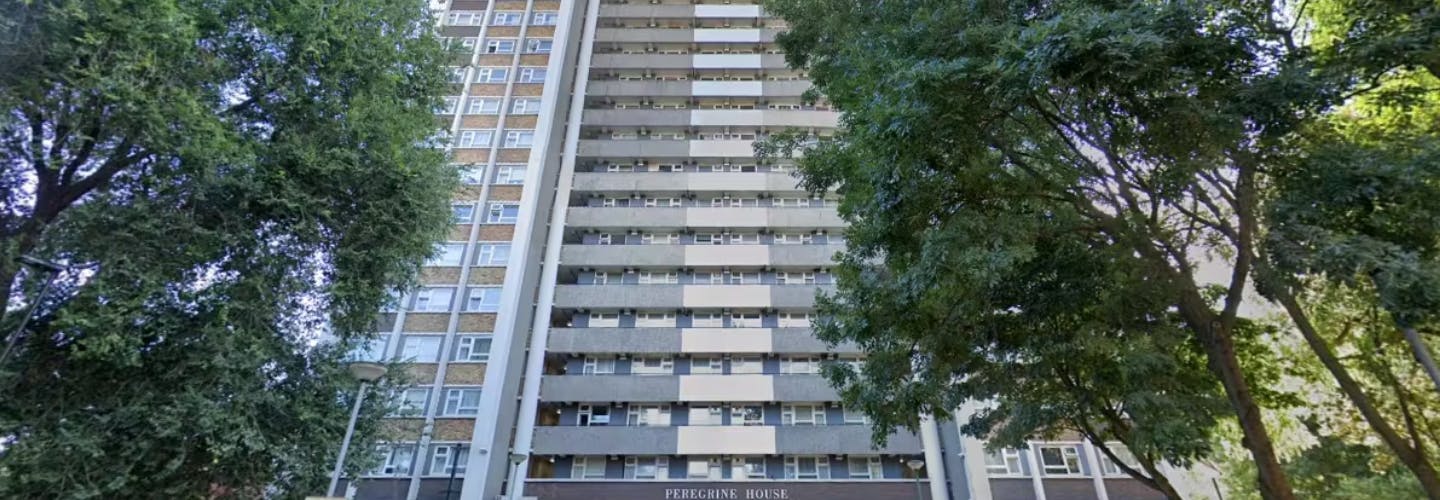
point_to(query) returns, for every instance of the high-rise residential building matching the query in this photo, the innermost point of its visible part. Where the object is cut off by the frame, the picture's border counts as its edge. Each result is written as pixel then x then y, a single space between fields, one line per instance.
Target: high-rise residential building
pixel 622 309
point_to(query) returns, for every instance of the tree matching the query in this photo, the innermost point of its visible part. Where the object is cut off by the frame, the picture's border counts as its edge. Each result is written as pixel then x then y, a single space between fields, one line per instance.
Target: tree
pixel 236 186
pixel 1151 130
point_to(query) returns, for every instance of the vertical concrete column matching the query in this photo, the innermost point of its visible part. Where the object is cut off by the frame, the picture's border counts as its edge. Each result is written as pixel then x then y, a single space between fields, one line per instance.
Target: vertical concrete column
pixel 934 463
pixel 1096 475
pixel 1036 470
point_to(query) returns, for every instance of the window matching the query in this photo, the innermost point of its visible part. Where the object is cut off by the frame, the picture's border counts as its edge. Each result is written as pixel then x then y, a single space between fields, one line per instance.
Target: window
pixel 652 366
pixel 660 239
pixel 703 366
pixel 864 468
pixel 472 174
pixel 853 415
pixel 447 254
pixel 706 415
pixel 817 467
pixel 510 174
pixel 746 364
pixel 655 320
pixel 433 299
pixel 795 278
pixel 747 468
pixel 483 106
pixel 647 467
pixel 1109 467
pixel 395 460
pixel 802 365
pixel 598 366
pixel 1060 460
pixel 491 75
pixel 492 254
pixel 532 75
pixel 1003 462
pixel 447 458
pixel 525 106
pixel 590 415
pixel 747 415
pixel 602 278
pixel 703 468
pixel 483 299
pixel 371 350
pixel 743 279
pixel 505 18
pixel 519 138
pixel 707 320
pixel 656 278
pixel 461 402
pixel 588 468
pixel 418 349
pixel 604 320
pixel 802 415
pixel 794 239
pixel 448 106
pixel 539 45
pixel 544 18
pixel 411 402
pixel 649 415
pixel 462 214
pixel 472 348
pixel 457 75
pixel 745 320
pixel 465 18
pixel 795 320
pixel 475 138
pixel 500 46
pixel 503 213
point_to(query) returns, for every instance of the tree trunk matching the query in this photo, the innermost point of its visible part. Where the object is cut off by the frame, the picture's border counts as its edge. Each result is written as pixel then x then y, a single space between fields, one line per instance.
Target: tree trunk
pixel 1220 353
pixel 1411 457
pixel 1422 354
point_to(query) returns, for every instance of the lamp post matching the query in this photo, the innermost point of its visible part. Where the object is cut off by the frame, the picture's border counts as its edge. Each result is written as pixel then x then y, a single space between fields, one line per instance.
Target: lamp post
pixel 367 373
pixel 54 271
pixel 515 460
pixel 915 465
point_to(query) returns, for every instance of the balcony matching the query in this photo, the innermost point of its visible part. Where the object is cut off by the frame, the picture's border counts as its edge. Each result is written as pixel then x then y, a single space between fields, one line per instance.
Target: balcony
pixel 689 61
pixel 689 340
pixel 622 218
pixel 840 439
pixel 718 440
pixel 711 117
pixel 605 297
pixel 605 440
pixel 672 388
pixel 699 255
pixel 610 388
pixel 661 88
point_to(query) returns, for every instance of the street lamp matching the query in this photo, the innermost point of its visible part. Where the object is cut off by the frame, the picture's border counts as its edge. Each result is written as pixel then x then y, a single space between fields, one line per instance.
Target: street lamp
pixel 367 373
pixel 515 460
pixel 46 266
pixel 915 465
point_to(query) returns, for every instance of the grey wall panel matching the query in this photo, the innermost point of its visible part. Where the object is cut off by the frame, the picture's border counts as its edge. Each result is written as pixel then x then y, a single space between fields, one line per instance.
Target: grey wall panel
pixel 610 440
pixel 607 388
pixel 614 340
pixel 803 388
pixel 840 439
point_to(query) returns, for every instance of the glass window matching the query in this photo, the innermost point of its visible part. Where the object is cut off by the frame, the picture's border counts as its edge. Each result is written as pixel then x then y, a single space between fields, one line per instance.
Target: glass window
pixel 510 174
pixel 853 415
pixel 525 106
pixel 1108 466
pixel 492 254
pixel 448 105
pixel 500 46
pixel 370 350
pixel 506 18
pixel 446 459
pixel 1003 462
pixel 598 366
pixel 447 254
pixel 588 468
pixel 411 402
pixel 649 415
pixel 519 138
pixel 817 467
pixel 706 415
pixel 746 364
pixel 433 299
pixel 795 320
pixel 532 75
pixel 544 18
pixel 472 348
pixel 491 75
pixel 503 213
pixel 483 106
pixel 802 415
pixel 461 402
pixel 703 468
pixel 652 366
pixel 655 320
pixel 864 468
pixel 707 320
pixel 800 365
pixel 647 467
pixel 604 320
pixel 701 365
pixel 1060 460
pixel 462 214
pixel 747 468
pixel 395 460
pixel 465 18
pixel 421 349
pixel 590 415
pixel 747 415
pixel 483 299
pixel 472 175
pixel 475 139
pixel 539 45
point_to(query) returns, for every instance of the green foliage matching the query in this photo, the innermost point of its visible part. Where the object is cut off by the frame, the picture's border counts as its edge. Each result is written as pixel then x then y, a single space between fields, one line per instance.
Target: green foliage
pixel 241 183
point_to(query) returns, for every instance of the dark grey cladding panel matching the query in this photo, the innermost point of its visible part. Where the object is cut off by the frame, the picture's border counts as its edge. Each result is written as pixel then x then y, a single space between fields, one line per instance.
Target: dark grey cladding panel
pixel 802 340
pixel 840 439
pixel 738 490
pixel 623 255
pixel 1130 489
pixel 619 296
pixel 1012 489
pixel 804 388
pixel 605 440
pixel 609 388
pixel 614 340
pixel 1070 489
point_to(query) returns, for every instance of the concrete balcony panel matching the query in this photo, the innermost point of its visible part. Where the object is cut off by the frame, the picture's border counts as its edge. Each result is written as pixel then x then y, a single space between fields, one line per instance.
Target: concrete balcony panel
pixel 820 218
pixel 727 35
pixel 727 255
pixel 785 118
pixel 767 35
pixel 645 35
pixel 728 61
pixel 728 217
pixel 649 11
pixel 606 440
pixel 726 340
pixel 796 296
pixel 803 341
pixel 717 388
pixel 619 296
pixel 727 89
pixel 773 61
pixel 647 61
pixel 629 182
pixel 723 296
pixel 840 439
pixel 637 117
pixel 723 148
pixel 804 255
pixel 615 340
pixel 609 388
pixel 624 217
pixel 726 440
pixel 730 11
pixel 785 88
pixel 633 148
pixel 626 255
pixel 647 88
pixel 804 388
pixel 722 117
